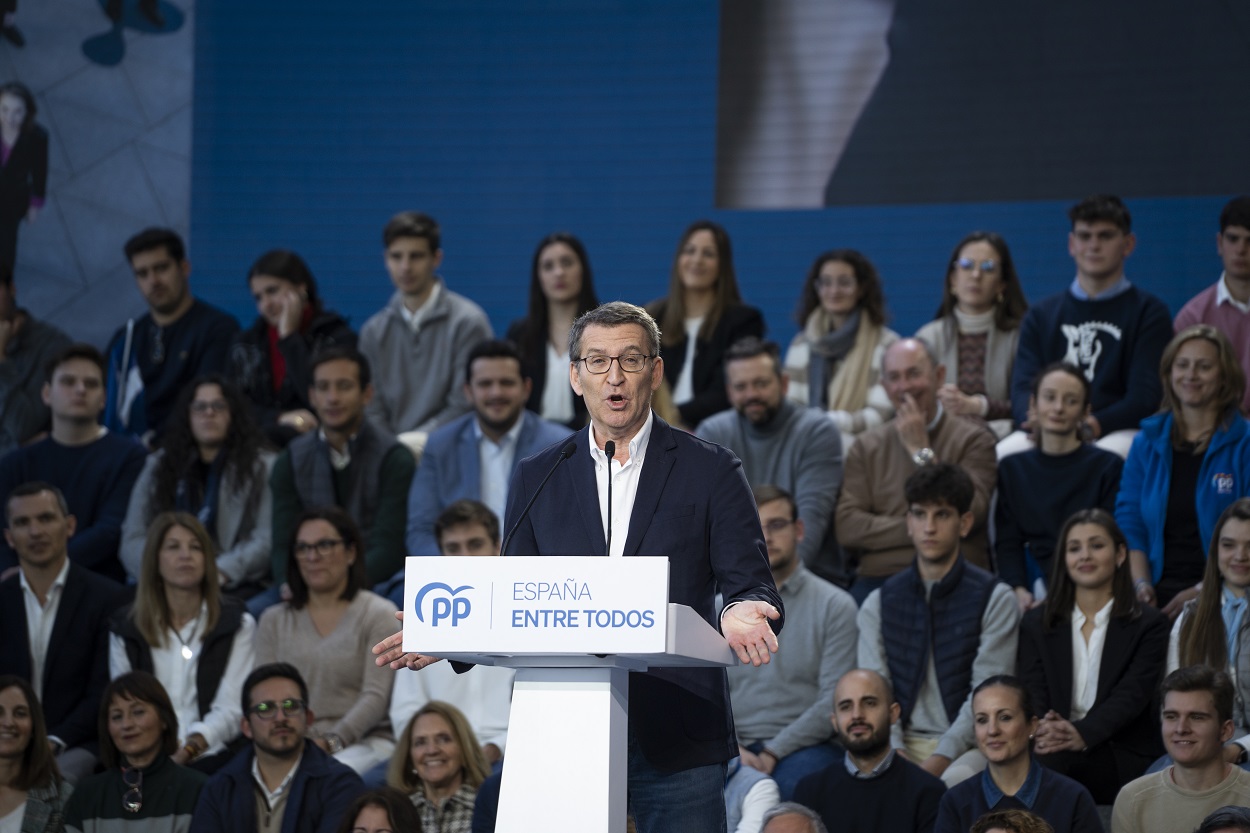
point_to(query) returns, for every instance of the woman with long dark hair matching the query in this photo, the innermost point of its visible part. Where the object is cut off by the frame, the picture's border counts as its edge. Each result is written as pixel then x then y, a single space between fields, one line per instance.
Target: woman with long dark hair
pixel 561 289
pixel 32 791
pixel 270 359
pixel 214 464
pixel 702 315
pixel 834 363
pixel 23 166
pixel 976 329
pixel 1092 657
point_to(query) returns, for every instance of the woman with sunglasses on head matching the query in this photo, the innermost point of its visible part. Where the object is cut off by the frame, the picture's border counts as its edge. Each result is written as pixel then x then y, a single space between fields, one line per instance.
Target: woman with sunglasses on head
pixel 32 791
pixel 561 289
pixel 977 328
pixel 194 639
pixel 1092 657
pixel 699 319
pixel 328 628
pixel 214 464
pixel 141 788
pixel 834 363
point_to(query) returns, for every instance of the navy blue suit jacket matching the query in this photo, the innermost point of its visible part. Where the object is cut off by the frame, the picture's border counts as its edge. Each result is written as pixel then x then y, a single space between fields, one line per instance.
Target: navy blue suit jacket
pixel 694 506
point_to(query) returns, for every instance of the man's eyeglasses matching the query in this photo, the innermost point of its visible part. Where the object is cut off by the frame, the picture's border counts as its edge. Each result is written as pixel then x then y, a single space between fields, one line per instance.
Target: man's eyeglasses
pixel 325 547
pixel 629 362
pixel 988 267
pixel 268 709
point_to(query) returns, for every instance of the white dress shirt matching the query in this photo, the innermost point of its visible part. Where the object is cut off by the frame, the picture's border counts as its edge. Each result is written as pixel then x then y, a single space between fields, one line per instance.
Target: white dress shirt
pixel 494 465
pixel 624 483
pixel 683 391
pixel 415 318
pixel 1086 659
pixel 557 392
pixel 1223 296
pixel 39 621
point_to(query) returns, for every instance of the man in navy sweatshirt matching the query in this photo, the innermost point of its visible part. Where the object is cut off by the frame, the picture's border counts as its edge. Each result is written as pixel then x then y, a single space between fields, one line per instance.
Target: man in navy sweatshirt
pixel 1103 324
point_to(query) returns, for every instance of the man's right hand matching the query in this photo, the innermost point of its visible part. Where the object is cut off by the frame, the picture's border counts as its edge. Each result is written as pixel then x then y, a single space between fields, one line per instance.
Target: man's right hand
pixel 910 423
pixel 391 652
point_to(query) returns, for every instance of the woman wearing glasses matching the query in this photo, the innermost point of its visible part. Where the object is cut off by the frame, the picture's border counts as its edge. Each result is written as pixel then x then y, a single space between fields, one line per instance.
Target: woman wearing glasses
pixel 141 786
pixel 196 641
pixel 834 362
pixel 327 630
pixel 213 464
pixel 32 791
pixel 977 328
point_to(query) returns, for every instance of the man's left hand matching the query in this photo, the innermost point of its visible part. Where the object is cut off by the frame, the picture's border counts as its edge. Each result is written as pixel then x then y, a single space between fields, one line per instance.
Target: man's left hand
pixel 745 626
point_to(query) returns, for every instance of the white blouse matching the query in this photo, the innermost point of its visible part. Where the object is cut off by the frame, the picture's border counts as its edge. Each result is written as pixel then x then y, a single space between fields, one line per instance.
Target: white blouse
pixel 1086 659
pixel 557 393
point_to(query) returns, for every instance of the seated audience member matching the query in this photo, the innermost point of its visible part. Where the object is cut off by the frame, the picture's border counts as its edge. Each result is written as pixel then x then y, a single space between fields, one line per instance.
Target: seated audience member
pixel 1212 629
pixel 939 628
pixel 749 794
pixel 382 810
pixel 1225 305
pixel 780 709
pixel 212 463
pixel 283 781
pixel 872 513
pixel 1013 780
pixel 474 456
pixel 783 444
pixel 331 616
pixel 152 358
pixel 834 362
pixel 32 791
pixel 269 361
pixel 977 328
pixel 425 326
pixel 54 620
pixel 1092 657
pixel 1110 329
pixel 1187 465
pixel 1040 488
pixel 873 788
pixel 92 467
pixel 1012 821
pixel 1230 819
pixel 700 317
pixel 26 346
pixel 138 736
pixel 1197 722
pixel 349 462
pixel 191 637
pixel 438 763
pixel 789 817
pixel 561 289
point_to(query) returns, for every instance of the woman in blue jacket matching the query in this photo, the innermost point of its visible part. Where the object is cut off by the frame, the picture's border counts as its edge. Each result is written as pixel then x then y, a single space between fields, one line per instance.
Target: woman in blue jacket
pixel 1188 463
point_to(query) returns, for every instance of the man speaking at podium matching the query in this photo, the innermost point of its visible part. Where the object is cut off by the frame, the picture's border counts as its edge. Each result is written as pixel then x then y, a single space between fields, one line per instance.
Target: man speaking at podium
pixel 672 495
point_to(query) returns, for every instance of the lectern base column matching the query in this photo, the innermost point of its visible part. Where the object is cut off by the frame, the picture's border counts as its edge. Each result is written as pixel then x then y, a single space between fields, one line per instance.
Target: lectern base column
pixel 566 763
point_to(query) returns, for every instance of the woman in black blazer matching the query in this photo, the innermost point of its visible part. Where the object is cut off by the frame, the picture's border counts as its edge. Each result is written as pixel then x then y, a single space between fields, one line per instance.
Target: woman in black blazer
pixel 1105 732
pixel 703 300
pixel 23 165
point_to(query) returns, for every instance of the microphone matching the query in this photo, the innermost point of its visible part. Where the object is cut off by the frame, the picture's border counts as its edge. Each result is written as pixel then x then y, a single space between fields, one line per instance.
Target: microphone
pixel 609 448
pixel 570 448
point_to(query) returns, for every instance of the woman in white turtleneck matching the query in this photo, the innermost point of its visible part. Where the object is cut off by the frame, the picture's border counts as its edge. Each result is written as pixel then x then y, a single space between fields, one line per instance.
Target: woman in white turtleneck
pixel 977 328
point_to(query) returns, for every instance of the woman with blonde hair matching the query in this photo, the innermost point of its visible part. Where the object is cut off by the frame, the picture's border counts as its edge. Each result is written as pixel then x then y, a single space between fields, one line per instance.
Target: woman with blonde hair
pixel 438 763
pixel 194 639
pixel 1187 464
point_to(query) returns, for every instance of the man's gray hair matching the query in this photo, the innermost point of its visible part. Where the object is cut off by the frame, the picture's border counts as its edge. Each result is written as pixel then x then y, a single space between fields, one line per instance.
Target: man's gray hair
pixel 614 314
pixel 790 808
pixel 928 351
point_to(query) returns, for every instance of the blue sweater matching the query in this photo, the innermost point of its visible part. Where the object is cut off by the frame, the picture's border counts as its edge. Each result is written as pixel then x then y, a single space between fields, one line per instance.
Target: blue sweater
pixel 1141 507
pixel 1062 802
pixel 96 480
pixel 1117 342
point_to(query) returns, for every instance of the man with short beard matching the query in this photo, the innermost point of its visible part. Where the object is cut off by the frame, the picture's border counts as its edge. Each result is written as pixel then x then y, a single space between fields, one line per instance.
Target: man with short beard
pixel 783 444
pixel 283 776
pixel 874 788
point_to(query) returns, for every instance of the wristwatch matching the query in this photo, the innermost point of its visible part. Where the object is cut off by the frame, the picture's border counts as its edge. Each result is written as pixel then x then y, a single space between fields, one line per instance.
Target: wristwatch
pixel 924 457
pixel 334 743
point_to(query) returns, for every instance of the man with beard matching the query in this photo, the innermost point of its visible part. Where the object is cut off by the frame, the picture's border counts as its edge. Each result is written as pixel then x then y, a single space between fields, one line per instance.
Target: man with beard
pixel 874 788
pixel 153 357
pixel 783 444
pixel 284 776
pixel 779 708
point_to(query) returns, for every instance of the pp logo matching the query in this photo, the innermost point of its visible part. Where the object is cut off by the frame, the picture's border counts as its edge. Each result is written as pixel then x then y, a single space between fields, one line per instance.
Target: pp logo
pixel 443 606
pixel 1224 483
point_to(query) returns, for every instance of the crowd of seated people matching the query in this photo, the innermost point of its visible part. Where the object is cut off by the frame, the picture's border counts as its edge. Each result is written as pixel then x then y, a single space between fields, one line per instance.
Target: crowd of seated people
pixel 983 533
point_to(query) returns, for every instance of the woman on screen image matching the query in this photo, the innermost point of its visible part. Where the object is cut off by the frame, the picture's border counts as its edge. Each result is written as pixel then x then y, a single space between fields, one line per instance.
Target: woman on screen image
pixel 23 166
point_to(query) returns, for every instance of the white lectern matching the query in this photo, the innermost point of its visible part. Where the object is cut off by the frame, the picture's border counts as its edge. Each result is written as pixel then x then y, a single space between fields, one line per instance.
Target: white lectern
pixel 573 628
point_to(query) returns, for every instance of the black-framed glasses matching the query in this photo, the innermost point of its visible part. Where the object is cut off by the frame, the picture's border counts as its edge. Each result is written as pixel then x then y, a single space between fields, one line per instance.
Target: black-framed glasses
pixel 268 709
pixel 324 548
pixel 629 362
pixel 988 267
pixel 132 798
